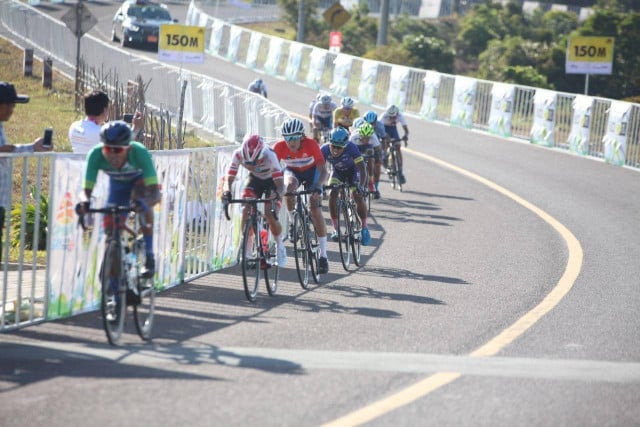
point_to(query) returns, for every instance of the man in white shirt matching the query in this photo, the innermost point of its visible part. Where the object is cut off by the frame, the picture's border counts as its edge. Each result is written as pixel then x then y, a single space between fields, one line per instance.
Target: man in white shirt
pixel 85 134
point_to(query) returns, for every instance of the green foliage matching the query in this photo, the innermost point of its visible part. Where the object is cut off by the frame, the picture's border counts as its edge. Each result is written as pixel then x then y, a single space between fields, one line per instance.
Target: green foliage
pixel 30 222
pixel 390 54
pixel 429 53
pixel 290 16
pixel 477 28
pixel 525 75
pixel 360 32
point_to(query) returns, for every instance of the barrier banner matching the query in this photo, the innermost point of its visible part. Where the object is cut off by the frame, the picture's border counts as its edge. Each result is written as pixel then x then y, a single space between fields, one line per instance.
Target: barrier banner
pixel 187 113
pixel 615 139
pixel 544 106
pixel 341 70
pixel 316 67
pixel 430 97
pixel 273 58
pixel 293 63
pixel 367 87
pixel 398 86
pixel 201 21
pixel 464 94
pixel 501 109
pixel 254 48
pixel 580 125
pixel 216 37
pixel 192 14
pixel 234 42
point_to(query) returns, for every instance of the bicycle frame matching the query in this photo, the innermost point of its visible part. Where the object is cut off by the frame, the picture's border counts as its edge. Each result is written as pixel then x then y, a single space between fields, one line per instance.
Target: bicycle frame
pixel 305 240
pixel 349 225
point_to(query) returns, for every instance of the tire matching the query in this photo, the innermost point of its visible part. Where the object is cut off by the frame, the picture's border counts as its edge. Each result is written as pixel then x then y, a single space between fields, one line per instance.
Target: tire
pixel 314 250
pixel 344 233
pixel 271 254
pixel 356 228
pixel 113 304
pixel 394 168
pixel 123 40
pixel 300 251
pixel 250 263
pixel 114 37
pixel 143 311
pixel 396 162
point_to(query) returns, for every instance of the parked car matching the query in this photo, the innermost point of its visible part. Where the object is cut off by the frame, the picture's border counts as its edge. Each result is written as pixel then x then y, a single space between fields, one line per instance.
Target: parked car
pixel 137 22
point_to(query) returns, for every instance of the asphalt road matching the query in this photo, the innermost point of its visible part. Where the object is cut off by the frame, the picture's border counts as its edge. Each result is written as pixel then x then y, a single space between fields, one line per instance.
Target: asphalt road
pixel 488 234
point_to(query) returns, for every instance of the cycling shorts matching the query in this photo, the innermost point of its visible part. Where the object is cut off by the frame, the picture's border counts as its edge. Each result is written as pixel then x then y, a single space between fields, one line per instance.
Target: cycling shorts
pixel 308 177
pixel 255 188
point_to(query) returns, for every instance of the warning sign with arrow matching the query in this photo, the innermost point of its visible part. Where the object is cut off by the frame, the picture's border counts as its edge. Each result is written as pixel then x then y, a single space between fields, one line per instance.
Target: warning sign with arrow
pixel 336 15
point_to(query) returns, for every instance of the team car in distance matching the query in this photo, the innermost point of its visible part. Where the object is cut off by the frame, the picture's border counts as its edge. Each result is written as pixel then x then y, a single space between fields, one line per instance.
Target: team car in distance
pixel 137 22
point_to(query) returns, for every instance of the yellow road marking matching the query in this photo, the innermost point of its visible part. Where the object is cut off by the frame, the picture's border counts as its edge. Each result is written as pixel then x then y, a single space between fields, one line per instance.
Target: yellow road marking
pixel 506 337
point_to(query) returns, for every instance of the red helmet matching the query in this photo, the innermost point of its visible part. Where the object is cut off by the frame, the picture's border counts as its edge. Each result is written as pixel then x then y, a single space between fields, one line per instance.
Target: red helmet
pixel 252 148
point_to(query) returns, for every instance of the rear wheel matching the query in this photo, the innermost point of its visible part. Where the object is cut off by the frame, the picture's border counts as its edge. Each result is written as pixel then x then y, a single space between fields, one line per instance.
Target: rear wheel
pixel 143 310
pixel 113 305
pixel 344 234
pixel 356 230
pixel 300 250
pixel 250 261
pixel 272 268
pixel 314 250
pixel 396 162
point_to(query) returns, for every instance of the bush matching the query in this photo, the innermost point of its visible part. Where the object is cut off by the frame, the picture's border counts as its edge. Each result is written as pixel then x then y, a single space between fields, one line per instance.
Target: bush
pixel 30 222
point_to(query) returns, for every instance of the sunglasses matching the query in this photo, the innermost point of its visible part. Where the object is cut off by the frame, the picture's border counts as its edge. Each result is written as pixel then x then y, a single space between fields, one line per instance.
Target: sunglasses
pixel 337 147
pixel 113 150
pixel 290 138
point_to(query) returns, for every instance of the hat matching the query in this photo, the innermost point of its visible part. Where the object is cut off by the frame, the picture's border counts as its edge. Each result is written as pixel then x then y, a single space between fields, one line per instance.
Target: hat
pixel 8 95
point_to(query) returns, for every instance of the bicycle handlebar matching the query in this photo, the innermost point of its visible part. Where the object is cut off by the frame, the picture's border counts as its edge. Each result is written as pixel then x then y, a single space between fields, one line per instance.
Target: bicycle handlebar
pixel 112 210
pixel 226 204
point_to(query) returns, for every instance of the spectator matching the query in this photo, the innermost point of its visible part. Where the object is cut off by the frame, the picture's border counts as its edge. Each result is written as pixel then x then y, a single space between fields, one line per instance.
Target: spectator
pixel 85 134
pixel 8 100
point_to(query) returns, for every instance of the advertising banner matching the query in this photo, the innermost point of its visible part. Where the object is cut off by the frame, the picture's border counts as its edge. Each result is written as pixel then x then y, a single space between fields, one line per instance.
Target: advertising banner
pixel 398 86
pixel 341 70
pixel 273 57
pixel 293 63
pixel 254 48
pixel 234 41
pixel 430 97
pixel 580 125
pixel 367 87
pixel 181 43
pixel 501 109
pixel 464 95
pixel 544 108
pixel 216 37
pixel 316 67
pixel 615 140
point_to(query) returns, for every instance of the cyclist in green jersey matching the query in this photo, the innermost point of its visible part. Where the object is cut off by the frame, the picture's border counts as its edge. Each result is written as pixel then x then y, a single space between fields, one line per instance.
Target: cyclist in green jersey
pixel 132 176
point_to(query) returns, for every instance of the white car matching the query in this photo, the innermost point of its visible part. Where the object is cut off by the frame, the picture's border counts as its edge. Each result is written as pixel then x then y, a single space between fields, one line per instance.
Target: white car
pixel 137 22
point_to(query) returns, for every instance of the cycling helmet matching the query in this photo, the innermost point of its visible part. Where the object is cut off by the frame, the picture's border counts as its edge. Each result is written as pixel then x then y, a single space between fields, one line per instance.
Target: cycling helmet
pixel 252 148
pixel 258 82
pixel 325 99
pixel 365 130
pixel 116 132
pixel 370 116
pixel 347 102
pixel 339 136
pixel 358 122
pixel 392 110
pixel 292 127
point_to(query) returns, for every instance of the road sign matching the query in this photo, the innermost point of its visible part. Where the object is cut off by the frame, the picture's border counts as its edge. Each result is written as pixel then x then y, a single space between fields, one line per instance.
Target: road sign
pixel 335 41
pixel 182 43
pixel 589 55
pixel 336 15
pixel 82 14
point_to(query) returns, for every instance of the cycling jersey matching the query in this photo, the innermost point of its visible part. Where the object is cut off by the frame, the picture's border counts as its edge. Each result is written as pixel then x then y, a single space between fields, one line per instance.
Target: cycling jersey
pixel 259 88
pixel 138 165
pixel 346 161
pixel 344 117
pixel 266 167
pixel 322 111
pixel 308 156
pixel 378 127
pixel 373 141
pixel 388 120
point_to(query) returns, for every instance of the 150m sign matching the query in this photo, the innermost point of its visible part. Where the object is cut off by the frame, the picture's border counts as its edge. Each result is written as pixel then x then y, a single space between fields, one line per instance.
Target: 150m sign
pixel 182 43
pixel 589 55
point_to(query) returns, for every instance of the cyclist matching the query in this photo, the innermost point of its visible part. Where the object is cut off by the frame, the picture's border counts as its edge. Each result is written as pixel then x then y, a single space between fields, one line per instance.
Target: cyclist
pixel 132 176
pixel 346 114
pixel 265 177
pixel 367 142
pixel 258 86
pixel 312 104
pixel 323 116
pixel 304 164
pixel 389 119
pixel 348 167
pixel 371 117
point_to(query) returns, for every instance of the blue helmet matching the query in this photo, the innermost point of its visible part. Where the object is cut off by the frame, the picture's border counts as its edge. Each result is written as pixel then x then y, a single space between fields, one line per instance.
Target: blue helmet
pixel 358 122
pixel 370 117
pixel 339 137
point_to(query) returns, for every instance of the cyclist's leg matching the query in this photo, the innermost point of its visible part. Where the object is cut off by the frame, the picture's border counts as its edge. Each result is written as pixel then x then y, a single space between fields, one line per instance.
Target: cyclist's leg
pixel 147 197
pixel 376 170
pixel 250 191
pixel 292 183
pixel 315 209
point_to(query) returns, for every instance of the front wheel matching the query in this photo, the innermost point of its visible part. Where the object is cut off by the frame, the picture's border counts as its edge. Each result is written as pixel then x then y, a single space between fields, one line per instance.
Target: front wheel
pixel 270 249
pixel 113 305
pixel 300 250
pixel 145 299
pixel 344 233
pixel 356 230
pixel 250 258
pixel 313 246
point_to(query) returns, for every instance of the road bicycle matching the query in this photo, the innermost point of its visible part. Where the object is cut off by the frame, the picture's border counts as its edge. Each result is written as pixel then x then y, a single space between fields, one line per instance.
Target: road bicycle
pixel 349 225
pixel 120 275
pixel 257 255
pixel 305 240
pixel 368 195
pixel 394 165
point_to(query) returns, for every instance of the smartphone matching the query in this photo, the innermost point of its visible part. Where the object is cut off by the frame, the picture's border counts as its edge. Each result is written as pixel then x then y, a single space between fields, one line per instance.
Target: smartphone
pixel 48 138
pixel 128 118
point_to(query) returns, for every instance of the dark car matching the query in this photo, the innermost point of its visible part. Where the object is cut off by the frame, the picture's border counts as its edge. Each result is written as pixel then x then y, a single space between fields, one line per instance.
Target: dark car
pixel 137 22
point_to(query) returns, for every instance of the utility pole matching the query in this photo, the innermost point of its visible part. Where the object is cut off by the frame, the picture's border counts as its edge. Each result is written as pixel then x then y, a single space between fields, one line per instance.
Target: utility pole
pixel 384 23
pixel 300 35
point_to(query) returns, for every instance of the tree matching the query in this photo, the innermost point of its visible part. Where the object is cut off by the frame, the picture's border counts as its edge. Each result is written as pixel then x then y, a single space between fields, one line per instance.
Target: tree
pixel 429 53
pixel 477 28
pixel 527 76
pixel 290 15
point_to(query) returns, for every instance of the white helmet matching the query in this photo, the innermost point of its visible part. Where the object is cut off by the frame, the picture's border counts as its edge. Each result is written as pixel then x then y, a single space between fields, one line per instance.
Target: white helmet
pixel 347 102
pixel 325 99
pixel 292 127
pixel 392 110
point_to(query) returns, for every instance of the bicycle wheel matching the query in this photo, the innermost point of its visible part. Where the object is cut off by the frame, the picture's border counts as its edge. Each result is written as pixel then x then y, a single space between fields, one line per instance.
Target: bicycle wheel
pixel 272 268
pixel 356 229
pixel 396 161
pixel 344 233
pixel 113 305
pixel 145 299
pixel 392 172
pixel 313 247
pixel 250 260
pixel 300 250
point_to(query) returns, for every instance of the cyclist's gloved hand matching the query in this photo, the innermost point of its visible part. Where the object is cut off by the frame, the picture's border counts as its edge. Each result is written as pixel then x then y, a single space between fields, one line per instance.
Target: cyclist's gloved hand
pixel 82 208
pixel 226 196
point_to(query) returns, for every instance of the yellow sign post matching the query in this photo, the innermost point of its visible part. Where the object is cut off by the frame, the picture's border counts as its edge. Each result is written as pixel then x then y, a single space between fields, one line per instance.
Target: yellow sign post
pixel 182 43
pixel 589 55
pixel 336 15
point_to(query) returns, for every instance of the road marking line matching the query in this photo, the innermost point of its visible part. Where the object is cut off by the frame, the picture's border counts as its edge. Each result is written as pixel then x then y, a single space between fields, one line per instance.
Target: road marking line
pixel 506 337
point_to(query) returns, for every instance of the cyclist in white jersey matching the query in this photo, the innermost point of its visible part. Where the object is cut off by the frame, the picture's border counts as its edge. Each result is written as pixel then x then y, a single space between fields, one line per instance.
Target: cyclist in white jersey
pixel 368 143
pixel 390 119
pixel 323 116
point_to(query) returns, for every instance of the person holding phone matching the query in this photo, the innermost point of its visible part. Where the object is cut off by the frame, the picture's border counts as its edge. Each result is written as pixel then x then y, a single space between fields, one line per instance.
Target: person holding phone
pixel 8 100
